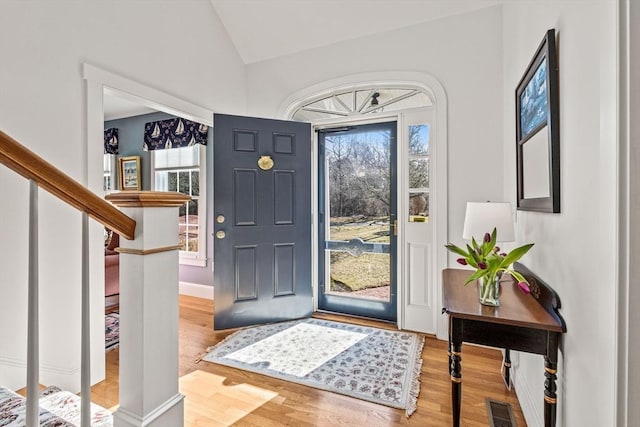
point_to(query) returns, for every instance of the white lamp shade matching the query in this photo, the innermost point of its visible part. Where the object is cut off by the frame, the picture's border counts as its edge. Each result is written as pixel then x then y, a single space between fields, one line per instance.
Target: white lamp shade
pixel 481 218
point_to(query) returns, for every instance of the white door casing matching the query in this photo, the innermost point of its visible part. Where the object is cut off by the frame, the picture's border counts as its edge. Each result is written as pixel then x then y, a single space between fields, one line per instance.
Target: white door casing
pixel 420 262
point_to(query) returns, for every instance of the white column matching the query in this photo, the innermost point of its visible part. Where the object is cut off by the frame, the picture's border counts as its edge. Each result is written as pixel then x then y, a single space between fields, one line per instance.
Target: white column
pixel 149 393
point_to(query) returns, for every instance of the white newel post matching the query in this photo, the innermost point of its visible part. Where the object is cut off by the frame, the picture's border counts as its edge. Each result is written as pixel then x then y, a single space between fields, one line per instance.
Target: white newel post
pixel 149 394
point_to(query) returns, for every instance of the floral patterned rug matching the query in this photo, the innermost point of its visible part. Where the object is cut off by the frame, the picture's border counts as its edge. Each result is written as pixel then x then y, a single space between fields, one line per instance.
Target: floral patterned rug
pixel 376 365
pixel 58 408
pixel 111 331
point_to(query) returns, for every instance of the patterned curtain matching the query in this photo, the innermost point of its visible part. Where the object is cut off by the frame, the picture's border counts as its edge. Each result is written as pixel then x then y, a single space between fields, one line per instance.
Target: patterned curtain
pixel 111 141
pixel 174 133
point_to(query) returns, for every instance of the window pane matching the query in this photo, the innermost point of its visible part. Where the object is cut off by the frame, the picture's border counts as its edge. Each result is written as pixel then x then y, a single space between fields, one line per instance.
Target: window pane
pixel 184 185
pixel 419 173
pixel 188 227
pixel 195 183
pixel 192 239
pixel 172 181
pixel 418 207
pixel 193 210
pixel 419 140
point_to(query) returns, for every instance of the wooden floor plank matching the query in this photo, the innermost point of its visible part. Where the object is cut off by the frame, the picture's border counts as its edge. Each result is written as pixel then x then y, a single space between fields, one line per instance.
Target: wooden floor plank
pixel 219 395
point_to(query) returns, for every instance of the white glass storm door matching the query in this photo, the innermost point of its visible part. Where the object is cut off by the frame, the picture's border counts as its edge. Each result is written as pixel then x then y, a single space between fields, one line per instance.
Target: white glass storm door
pixel 357 203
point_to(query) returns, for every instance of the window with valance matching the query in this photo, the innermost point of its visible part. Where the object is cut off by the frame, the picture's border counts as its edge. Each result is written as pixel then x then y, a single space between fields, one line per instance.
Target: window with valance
pixel 174 133
pixel 178 161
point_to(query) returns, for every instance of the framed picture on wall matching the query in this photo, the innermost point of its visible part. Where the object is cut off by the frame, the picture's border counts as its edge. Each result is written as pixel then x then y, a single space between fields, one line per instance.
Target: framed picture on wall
pixel 129 173
pixel 538 131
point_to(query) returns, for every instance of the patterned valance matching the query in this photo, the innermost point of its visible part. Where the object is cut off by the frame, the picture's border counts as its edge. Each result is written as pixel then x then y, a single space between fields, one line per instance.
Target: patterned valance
pixel 174 133
pixel 111 141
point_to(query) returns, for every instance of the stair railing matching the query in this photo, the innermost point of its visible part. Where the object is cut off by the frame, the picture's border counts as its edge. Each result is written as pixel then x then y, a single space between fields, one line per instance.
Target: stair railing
pixel 42 174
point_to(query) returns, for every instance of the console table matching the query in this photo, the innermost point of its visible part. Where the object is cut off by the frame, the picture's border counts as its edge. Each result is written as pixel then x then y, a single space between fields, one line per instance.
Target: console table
pixel 529 323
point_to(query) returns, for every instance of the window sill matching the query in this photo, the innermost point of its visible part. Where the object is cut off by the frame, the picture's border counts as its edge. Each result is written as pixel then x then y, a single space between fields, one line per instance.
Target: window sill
pixel 195 262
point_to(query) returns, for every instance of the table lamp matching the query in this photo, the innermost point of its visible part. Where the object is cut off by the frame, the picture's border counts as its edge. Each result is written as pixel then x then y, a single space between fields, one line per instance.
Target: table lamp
pixel 482 217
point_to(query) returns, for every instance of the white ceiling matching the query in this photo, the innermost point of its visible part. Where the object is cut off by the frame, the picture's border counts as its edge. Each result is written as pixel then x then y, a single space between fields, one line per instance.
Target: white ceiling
pixel 116 107
pixel 266 29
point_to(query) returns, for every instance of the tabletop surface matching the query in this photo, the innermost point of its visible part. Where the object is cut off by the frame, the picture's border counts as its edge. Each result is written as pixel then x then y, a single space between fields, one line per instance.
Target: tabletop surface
pixel 516 308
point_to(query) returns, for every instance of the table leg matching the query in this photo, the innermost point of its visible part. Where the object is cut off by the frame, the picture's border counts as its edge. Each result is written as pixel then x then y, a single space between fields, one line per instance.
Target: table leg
pixel 455 369
pixel 550 398
pixel 507 368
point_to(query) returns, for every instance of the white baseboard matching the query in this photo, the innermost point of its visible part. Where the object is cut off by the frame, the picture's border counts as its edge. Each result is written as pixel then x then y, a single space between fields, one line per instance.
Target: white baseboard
pixel 195 290
pixel 14 374
pixel 528 403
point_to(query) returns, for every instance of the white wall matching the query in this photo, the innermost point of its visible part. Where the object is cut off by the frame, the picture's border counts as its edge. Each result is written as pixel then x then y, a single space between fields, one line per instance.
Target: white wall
pixel 575 250
pixel 464 53
pixel 178 47
pixel 479 59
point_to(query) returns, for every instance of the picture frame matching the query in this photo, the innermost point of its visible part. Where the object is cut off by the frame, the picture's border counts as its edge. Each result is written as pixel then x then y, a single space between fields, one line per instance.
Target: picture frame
pixel 538 131
pixel 129 173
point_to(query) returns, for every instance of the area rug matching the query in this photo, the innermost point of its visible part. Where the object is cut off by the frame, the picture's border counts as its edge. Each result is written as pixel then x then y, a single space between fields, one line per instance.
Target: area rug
pixel 111 331
pixel 376 365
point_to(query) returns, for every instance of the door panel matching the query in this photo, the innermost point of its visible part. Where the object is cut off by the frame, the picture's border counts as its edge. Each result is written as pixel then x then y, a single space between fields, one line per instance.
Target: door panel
pixel 262 233
pixel 357 227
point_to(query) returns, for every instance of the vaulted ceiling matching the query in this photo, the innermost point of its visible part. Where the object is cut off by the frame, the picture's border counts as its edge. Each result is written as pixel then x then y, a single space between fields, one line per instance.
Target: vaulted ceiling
pixel 266 29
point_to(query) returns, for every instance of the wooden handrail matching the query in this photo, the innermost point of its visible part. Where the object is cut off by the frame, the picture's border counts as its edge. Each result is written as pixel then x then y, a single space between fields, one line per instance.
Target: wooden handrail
pixel 25 162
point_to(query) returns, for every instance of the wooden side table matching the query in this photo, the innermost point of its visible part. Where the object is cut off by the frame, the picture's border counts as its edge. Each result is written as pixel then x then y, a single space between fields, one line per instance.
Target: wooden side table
pixel 529 323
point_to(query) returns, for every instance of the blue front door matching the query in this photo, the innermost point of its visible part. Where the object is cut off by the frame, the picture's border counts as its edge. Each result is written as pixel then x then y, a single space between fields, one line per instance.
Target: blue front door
pixel 262 221
pixel 357 220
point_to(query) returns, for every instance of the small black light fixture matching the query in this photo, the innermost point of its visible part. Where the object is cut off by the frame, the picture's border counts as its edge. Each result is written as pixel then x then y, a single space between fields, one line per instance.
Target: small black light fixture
pixel 374 99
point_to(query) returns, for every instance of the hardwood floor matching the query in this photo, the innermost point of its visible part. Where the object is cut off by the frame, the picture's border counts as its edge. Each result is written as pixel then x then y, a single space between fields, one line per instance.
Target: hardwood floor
pixel 221 396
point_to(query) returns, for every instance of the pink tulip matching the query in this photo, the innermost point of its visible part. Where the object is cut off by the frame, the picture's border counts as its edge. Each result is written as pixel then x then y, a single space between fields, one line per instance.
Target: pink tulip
pixel 462 261
pixel 503 254
pixel 487 237
pixel 524 287
pixel 482 265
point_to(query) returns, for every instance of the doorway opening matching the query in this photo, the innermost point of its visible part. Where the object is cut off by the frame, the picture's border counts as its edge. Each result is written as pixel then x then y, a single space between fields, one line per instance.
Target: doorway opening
pixel 416 104
pixel 101 84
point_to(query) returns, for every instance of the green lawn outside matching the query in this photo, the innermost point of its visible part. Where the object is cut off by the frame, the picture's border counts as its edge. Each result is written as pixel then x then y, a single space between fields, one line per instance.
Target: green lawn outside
pixel 369 270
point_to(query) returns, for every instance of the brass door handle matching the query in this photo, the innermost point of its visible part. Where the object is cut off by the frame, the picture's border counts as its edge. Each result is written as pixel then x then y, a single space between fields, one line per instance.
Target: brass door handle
pixel 265 163
pixel 221 234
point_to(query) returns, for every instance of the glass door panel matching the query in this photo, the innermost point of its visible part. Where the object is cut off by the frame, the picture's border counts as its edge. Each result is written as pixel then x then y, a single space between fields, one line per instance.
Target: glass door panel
pixel 357 203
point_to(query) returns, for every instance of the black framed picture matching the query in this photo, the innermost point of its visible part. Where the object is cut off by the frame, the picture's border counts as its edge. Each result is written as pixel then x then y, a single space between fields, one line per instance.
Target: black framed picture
pixel 538 131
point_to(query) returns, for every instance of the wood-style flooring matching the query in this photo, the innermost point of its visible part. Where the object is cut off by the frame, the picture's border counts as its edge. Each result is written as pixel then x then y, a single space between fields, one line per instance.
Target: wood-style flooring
pixel 221 396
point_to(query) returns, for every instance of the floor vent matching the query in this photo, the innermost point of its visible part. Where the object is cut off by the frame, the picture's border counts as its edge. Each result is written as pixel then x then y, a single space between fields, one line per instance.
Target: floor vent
pixel 500 414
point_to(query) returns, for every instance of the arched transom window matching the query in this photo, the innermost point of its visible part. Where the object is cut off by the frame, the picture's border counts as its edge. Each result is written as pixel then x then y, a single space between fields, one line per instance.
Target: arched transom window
pixel 364 100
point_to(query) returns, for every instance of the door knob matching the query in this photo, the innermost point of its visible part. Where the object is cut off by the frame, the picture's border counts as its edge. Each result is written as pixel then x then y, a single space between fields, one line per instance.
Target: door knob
pixel 220 219
pixel 265 163
pixel 221 234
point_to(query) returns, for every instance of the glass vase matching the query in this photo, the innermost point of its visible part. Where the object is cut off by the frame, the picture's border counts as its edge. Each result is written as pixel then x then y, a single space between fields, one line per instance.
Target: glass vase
pixel 489 290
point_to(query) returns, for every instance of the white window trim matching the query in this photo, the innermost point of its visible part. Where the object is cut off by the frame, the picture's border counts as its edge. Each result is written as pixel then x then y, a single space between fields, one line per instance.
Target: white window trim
pixel 189 258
